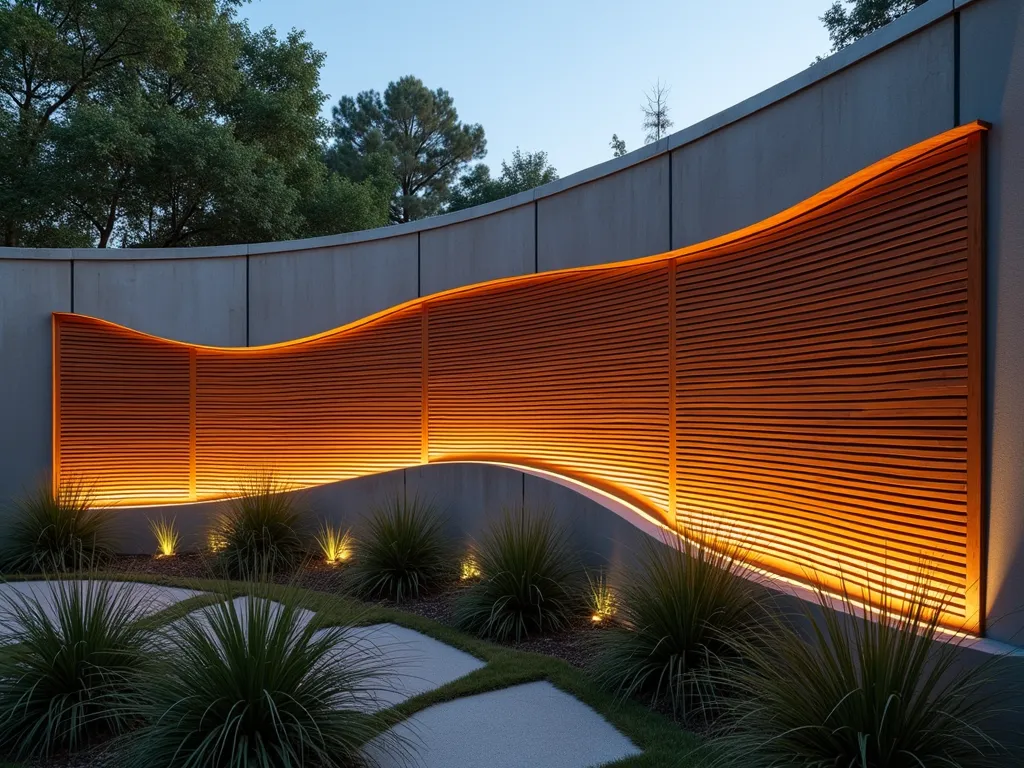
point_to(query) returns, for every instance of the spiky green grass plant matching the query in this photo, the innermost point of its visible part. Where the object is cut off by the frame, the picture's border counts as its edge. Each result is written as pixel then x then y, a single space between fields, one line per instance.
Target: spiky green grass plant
pixel 335 543
pixel 529 580
pixel 402 551
pixel 878 689
pixel 166 534
pixel 259 531
pixel 255 684
pixel 57 529
pixel 601 597
pixel 678 615
pixel 74 666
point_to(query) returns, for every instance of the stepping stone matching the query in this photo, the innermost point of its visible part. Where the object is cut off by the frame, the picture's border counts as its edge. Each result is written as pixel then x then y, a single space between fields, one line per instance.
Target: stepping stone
pixel 414 662
pixel 147 598
pixel 534 724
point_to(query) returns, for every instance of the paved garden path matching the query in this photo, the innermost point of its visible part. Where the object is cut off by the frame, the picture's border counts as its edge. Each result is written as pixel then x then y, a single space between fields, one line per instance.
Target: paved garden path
pixel 534 724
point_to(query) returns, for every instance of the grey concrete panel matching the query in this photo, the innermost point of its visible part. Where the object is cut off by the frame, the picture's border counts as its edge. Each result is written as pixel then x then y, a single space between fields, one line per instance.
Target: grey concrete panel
pixel 749 170
pixel 29 292
pixel 794 148
pixel 618 217
pixel 299 293
pixel 992 89
pixel 469 495
pixel 501 245
pixel 601 538
pixel 343 503
pixel 196 300
pixel 896 98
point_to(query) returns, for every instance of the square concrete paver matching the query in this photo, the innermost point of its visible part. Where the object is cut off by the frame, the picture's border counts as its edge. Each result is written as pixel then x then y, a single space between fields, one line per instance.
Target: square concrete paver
pixel 146 599
pixel 414 663
pixel 534 725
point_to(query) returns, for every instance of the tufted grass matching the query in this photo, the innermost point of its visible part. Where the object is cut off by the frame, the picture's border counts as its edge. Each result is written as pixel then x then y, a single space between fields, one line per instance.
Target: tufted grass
pixel 259 530
pixel 57 529
pixel 401 552
pixel 874 690
pixel 529 580
pixel 678 617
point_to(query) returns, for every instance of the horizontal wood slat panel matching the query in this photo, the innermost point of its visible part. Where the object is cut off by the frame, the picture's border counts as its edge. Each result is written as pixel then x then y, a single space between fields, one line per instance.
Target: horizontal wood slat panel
pixel 123 412
pixel 808 386
pixel 570 372
pixel 860 371
pixel 345 406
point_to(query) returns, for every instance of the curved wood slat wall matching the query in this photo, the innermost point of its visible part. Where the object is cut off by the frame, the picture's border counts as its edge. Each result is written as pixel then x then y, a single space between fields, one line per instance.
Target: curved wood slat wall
pixel 810 385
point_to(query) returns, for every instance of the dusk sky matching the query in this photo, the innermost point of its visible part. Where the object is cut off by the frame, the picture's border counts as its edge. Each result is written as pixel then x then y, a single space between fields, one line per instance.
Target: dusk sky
pixel 559 75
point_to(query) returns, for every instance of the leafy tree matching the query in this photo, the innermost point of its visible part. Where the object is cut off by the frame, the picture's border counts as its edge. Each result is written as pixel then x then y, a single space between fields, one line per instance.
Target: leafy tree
pixel 526 171
pixel 163 122
pixel 845 26
pixel 51 52
pixel 656 121
pixel 618 146
pixel 418 130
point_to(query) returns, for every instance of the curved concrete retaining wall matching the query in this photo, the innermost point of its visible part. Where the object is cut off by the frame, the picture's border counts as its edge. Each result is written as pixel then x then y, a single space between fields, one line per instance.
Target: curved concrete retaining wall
pixel 944 64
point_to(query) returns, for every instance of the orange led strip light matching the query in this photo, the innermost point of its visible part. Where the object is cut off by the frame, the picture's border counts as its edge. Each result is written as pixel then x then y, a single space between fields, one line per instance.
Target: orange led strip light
pixel 810 384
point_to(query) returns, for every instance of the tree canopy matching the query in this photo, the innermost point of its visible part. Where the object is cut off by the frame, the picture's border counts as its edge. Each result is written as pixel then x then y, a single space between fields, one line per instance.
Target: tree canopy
pixel 526 171
pixel 165 122
pixel 846 25
pixel 417 133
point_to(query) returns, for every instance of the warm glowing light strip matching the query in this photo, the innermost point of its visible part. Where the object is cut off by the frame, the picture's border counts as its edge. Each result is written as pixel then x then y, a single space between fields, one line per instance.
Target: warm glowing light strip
pixel 809 385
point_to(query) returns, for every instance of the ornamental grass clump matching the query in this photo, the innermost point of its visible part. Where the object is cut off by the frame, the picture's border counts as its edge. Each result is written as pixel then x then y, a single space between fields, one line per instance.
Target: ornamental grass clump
pixel 253 683
pixel 863 689
pixel 402 551
pixel 677 618
pixel 72 671
pixel 335 543
pixel 57 529
pixel 259 531
pixel 528 583
pixel 166 534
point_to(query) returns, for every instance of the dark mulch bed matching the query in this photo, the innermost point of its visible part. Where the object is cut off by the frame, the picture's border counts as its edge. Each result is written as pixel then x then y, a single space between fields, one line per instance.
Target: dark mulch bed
pixel 572 645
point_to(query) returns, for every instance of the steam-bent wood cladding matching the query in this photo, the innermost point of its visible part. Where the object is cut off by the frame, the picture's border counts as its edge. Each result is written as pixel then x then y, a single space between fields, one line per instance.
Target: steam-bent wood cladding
pixel 808 386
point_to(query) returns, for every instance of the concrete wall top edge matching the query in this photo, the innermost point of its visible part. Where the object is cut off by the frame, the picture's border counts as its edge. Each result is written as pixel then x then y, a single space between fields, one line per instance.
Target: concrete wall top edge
pixel 908 24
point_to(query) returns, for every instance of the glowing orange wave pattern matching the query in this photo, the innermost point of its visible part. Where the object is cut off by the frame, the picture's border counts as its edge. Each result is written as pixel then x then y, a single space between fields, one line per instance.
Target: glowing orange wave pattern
pixel 811 384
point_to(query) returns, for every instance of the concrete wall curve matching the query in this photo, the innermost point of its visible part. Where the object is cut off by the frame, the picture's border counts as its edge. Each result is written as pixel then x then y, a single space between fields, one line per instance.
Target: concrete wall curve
pixel 942 65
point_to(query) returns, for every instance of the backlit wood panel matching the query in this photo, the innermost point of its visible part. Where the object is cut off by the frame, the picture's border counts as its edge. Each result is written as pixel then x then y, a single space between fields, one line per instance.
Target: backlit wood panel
pixel 344 406
pixel 121 412
pixel 821 384
pixel 810 386
pixel 569 373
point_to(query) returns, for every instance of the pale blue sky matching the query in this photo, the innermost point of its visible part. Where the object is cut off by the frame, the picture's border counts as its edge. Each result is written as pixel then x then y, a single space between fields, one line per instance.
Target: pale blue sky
pixel 559 75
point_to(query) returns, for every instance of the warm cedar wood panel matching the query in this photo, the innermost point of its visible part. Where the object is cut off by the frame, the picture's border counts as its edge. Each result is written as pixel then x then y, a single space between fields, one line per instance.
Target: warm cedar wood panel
pixel 342 407
pixel 122 412
pixel 569 373
pixel 821 385
pixel 802 385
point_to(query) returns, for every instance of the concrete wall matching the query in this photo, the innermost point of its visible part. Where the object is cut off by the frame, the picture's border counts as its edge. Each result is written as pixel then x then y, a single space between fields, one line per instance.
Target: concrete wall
pixel 992 89
pixel 500 245
pixel 202 301
pixel 947 62
pixel 298 293
pixel 29 292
